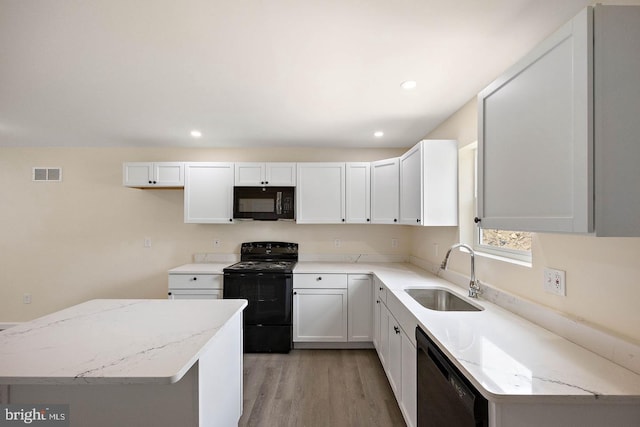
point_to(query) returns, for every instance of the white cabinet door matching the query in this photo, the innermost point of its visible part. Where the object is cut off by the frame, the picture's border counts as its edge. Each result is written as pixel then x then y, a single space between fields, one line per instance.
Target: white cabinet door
pixel 320 193
pixel 385 191
pixel 208 193
pixel 358 193
pixel 429 184
pixel 409 404
pixel 535 147
pixel 394 361
pixel 280 174
pixel 248 174
pixel 267 174
pixel 384 336
pixel 149 174
pixel 360 313
pixel 411 186
pixel 320 315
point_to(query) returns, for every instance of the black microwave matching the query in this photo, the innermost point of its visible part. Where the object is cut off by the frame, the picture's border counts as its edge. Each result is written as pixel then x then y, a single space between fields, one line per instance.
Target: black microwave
pixel 264 203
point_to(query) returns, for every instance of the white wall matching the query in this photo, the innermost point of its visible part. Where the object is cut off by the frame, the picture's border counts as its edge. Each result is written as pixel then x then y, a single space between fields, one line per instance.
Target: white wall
pixel 80 239
pixel 602 274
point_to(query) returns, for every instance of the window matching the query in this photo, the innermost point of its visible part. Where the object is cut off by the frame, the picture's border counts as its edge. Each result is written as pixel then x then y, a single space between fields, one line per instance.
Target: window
pixel 511 244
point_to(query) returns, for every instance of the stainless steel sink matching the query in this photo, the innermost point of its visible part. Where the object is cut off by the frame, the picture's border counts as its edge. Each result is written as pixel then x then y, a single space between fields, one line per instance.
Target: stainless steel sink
pixel 439 299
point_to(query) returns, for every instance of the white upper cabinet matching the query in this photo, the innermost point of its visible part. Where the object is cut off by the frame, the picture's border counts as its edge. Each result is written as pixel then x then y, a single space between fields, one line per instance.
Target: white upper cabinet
pixel 208 193
pixel 385 191
pixel 558 132
pixel 320 193
pixel 429 184
pixel 267 174
pixel 358 193
pixel 149 174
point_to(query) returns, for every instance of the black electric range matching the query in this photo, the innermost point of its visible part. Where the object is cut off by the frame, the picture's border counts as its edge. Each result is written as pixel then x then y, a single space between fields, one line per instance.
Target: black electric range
pixel 264 277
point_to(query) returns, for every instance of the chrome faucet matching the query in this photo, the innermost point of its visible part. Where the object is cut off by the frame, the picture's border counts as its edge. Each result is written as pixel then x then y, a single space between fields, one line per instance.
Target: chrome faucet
pixel 474 286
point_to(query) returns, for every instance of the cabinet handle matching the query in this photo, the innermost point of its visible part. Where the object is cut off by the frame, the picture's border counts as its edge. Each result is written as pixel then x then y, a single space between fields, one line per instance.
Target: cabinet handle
pixel 395 328
pixel 476 220
pixel 381 288
pixel 417 220
pixel 377 301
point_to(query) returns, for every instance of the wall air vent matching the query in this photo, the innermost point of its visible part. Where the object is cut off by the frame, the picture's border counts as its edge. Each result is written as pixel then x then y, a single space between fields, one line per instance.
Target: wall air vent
pixel 47 174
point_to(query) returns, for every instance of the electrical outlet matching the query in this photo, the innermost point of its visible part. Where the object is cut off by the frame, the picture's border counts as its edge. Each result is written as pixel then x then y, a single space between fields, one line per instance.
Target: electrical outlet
pixel 217 243
pixel 147 242
pixel 554 282
pixel 26 299
pixel 394 243
pixel 337 243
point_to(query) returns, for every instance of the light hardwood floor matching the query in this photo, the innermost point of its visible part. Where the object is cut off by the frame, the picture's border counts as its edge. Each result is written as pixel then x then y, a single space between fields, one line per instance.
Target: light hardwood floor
pixel 317 388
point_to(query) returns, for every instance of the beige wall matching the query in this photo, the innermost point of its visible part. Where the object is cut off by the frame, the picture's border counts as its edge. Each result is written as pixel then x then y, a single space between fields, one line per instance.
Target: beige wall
pixel 602 274
pixel 68 242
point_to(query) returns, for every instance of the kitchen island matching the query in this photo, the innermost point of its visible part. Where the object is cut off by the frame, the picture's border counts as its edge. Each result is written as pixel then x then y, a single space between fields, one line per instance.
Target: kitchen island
pixel 130 362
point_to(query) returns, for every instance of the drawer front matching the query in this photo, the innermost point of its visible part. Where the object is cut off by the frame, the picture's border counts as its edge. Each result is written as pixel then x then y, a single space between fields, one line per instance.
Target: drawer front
pixel 195 294
pixel 381 291
pixel 324 281
pixel 195 281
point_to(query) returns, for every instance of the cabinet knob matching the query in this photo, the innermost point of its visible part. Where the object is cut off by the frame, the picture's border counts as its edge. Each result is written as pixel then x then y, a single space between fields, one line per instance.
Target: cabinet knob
pixel 377 301
pixel 261 182
pixel 195 278
pixel 295 293
pixel 381 288
pixel 319 278
pixel 266 182
pixel 169 293
pixel 476 220
pixel 395 219
pixel 230 219
pixel 368 220
pixel 150 182
pixel 418 221
pixel 395 328
pixel 155 182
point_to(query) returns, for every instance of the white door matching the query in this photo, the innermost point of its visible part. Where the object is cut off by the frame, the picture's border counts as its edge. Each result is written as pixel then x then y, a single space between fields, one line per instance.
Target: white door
pixel 394 363
pixel 247 174
pixel 137 174
pixel 280 174
pixel 208 193
pixel 169 174
pixel 358 193
pixel 409 404
pixel 411 186
pixel 536 140
pixel 320 315
pixel 320 193
pixel 360 312
pixel 385 191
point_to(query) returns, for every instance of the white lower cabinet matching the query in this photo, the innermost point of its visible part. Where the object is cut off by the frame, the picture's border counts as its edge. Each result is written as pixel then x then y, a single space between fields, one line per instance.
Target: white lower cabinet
pixel 195 286
pixel 332 308
pixel 398 356
pixel 360 313
pixel 320 315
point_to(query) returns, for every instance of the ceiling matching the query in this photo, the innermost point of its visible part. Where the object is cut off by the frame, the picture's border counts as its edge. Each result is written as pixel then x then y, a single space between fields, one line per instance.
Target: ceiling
pixel 251 73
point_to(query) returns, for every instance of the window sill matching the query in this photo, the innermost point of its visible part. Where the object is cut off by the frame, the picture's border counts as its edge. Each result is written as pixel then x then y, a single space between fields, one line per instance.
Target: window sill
pixel 521 263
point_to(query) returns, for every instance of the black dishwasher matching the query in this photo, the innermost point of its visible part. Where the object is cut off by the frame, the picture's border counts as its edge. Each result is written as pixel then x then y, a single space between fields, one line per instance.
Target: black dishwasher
pixel 445 397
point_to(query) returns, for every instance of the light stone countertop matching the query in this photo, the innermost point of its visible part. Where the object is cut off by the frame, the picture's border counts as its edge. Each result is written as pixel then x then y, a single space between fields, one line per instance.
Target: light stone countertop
pixel 200 268
pixel 113 342
pixel 508 358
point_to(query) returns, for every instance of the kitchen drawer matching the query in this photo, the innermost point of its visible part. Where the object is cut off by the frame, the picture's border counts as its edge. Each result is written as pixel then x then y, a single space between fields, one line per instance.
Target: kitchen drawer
pixel 381 291
pixel 195 281
pixel 325 281
pixel 195 294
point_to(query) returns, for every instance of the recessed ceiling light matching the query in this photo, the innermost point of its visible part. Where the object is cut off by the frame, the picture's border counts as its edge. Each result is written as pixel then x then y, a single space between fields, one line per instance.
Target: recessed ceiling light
pixel 196 133
pixel 378 134
pixel 409 84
